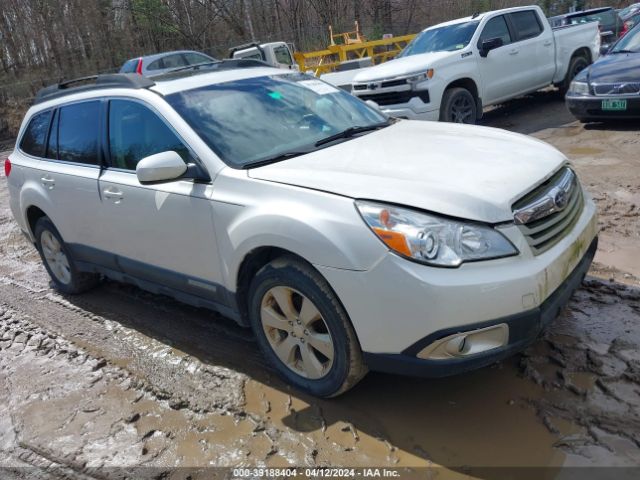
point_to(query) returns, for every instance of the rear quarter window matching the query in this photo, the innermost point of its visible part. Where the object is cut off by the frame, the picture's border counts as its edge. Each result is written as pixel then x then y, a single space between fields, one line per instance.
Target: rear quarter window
pixel 35 136
pixel 130 66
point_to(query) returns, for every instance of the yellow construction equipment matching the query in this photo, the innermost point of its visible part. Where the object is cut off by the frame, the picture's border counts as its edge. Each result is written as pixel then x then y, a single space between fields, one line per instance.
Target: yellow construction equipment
pixel 352 46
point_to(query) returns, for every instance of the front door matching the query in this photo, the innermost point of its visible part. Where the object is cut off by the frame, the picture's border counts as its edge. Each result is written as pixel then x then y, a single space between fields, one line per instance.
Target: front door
pixel 161 233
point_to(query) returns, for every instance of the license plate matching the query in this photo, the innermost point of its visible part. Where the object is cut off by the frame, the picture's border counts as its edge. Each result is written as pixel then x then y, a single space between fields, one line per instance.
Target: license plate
pixel 614 105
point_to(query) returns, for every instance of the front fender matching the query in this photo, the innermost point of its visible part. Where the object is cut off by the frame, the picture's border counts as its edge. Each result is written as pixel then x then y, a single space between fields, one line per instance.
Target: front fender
pixel 331 234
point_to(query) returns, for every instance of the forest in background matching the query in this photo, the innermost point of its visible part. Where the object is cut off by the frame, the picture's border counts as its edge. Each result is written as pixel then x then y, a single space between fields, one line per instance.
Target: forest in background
pixel 43 41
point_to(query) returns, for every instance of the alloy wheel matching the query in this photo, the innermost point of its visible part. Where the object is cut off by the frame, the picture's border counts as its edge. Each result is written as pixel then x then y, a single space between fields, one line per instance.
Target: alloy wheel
pixel 461 110
pixel 55 257
pixel 296 332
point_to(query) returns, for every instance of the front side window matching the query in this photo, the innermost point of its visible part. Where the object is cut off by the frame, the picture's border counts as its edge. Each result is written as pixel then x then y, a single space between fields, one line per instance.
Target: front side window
pixel 443 39
pixel 78 130
pixel 136 132
pixel 526 24
pixel 496 28
pixel 255 119
pixel 35 136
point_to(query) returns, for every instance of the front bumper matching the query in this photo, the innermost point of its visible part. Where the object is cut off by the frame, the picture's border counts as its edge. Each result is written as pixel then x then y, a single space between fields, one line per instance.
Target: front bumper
pixel 397 307
pixel 524 328
pixel 590 107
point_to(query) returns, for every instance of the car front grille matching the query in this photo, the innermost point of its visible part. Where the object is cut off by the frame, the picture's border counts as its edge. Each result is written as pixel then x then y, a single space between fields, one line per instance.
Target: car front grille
pixel 604 89
pixel 394 98
pixel 548 213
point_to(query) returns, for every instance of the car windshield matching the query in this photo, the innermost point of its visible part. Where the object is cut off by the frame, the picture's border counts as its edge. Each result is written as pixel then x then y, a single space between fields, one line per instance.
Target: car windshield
pixel 629 43
pixel 625 12
pixel 441 39
pixel 605 18
pixel 252 120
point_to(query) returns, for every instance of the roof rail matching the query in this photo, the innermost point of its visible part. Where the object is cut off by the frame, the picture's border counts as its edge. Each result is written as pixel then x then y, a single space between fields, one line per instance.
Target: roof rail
pixel 111 80
pixel 244 46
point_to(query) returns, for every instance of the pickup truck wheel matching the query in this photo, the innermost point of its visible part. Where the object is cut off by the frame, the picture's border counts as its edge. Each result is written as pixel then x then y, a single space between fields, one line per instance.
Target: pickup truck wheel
pixel 58 262
pixel 458 106
pixel 303 330
pixel 576 65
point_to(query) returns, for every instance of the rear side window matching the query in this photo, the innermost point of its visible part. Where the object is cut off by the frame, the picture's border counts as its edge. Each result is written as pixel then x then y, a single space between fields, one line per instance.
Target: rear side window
pixel 35 136
pixel 136 132
pixel 174 61
pixel 496 28
pixel 156 65
pixel 78 129
pixel 526 24
pixel 195 58
pixel 283 56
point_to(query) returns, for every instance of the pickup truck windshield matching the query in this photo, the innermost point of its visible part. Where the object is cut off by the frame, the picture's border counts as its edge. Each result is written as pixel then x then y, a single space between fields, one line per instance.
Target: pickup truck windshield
pixel 253 120
pixel 442 39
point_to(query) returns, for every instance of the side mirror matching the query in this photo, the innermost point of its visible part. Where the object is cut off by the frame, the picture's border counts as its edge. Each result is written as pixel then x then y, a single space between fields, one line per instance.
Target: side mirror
pixel 161 167
pixel 490 44
pixel 373 104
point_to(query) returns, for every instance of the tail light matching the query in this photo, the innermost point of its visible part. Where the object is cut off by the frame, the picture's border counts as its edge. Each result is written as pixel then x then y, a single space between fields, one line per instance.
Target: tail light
pixel 139 66
pixel 7 167
pixel 625 29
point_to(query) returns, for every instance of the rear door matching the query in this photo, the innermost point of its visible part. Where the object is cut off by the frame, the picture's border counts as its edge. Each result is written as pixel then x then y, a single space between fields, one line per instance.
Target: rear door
pixel 69 173
pixel 162 233
pixel 535 51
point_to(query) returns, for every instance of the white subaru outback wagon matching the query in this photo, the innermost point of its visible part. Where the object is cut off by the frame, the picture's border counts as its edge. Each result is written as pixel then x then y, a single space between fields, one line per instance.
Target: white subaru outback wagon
pixel 346 241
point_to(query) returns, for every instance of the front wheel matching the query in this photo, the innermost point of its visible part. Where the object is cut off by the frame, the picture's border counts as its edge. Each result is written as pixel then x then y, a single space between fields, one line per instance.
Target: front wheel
pixel 458 106
pixel 303 330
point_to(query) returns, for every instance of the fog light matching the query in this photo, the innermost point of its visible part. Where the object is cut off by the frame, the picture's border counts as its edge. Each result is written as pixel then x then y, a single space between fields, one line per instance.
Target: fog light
pixel 467 343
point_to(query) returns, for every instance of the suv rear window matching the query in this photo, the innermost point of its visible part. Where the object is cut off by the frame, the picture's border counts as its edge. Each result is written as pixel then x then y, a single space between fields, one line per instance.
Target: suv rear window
pixel 78 132
pixel 35 136
pixel 527 24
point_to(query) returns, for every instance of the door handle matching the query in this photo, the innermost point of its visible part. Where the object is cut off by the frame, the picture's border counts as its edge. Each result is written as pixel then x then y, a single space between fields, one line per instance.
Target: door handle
pixel 548 43
pixel 113 194
pixel 514 52
pixel 47 182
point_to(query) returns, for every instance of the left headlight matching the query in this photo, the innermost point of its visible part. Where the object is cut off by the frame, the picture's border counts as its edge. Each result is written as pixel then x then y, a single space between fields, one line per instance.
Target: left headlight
pixel 432 239
pixel 579 88
pixel 420 77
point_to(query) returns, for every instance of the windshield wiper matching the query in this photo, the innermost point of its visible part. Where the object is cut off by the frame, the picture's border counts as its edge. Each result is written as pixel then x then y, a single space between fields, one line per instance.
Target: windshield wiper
pixel 350 132
pixel 623 51
pixel 277 158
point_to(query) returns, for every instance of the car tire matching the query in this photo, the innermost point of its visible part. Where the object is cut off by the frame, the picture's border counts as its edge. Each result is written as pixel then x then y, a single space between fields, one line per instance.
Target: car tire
pixel 576 65
pixel 58 261
pixel 288 329
pixel 458 106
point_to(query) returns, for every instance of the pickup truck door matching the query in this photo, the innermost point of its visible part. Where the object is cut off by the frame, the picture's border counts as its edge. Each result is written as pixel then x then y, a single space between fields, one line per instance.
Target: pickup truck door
pixel 498 69
pixel 162 233
pixel 536 50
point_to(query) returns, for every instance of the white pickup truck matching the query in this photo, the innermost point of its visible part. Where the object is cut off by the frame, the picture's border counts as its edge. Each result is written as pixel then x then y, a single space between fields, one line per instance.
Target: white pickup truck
pixel 451 71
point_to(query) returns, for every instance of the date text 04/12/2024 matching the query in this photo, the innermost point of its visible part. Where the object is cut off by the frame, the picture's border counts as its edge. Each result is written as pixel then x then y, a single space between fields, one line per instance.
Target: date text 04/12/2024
pixel 316 473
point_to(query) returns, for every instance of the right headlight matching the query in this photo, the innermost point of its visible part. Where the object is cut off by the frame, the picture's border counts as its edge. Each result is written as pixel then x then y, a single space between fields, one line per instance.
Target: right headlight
pixel 579 88
pixel 433 239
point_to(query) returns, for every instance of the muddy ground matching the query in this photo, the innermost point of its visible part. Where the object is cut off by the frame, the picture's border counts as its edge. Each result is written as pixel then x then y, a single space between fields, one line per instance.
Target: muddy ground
pixel 119 377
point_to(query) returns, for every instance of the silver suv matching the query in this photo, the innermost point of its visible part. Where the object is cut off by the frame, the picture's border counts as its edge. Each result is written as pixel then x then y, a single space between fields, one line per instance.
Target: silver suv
pixel 345 240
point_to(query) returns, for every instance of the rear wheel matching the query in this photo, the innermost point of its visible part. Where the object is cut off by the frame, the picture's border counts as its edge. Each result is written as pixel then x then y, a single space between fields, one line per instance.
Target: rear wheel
pixel 58 261
pixel 458 106
pixel 576 65
pixel 303 330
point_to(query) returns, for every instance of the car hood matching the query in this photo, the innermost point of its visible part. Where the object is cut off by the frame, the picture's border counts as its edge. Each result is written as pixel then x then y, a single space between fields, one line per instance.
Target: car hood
pixel 463 171
pixel 621 67
pixel 404 66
